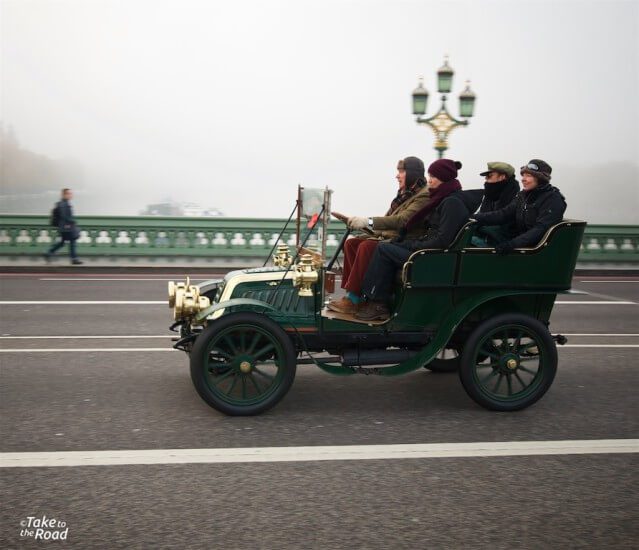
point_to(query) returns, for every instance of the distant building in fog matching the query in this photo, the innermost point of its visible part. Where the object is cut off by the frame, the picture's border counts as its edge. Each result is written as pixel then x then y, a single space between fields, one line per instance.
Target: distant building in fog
pixel 187 209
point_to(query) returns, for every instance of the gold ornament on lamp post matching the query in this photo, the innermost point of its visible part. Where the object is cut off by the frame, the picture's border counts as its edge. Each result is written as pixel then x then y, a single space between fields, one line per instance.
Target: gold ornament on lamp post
pixel 442 122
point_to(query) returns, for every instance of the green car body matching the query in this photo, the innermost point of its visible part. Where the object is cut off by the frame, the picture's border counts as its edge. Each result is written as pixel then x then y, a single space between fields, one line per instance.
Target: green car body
pixel 444 300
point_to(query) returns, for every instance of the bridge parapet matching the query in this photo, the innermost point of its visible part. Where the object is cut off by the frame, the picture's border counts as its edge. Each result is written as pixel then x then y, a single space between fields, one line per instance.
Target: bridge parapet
pixel 172 237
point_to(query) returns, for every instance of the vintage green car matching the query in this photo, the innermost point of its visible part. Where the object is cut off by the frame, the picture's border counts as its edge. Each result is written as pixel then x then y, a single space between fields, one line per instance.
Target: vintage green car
pixel 464 308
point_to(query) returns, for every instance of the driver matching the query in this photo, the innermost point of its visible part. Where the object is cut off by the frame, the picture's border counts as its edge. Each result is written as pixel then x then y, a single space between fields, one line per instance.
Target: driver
pixel 411 197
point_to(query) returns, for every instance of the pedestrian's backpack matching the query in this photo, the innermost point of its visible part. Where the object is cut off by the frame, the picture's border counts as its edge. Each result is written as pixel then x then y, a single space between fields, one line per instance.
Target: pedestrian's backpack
pixel 55 215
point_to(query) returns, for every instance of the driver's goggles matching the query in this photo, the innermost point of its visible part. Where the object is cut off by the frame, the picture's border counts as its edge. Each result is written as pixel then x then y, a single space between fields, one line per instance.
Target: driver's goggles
pixel 532 166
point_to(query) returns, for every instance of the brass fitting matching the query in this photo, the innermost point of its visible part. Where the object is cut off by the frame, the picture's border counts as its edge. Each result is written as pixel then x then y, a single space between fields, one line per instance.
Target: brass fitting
pixel 282 258
pixel 305 275
pixel 185 299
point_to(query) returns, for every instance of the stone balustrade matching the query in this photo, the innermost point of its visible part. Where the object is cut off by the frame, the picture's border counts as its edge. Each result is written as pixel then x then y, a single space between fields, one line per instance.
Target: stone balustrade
pixel 155 236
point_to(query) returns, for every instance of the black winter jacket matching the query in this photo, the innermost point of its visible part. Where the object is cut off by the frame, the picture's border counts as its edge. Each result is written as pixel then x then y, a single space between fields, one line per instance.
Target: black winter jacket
pixel 444 222
pixel 66 219
pixel 532 213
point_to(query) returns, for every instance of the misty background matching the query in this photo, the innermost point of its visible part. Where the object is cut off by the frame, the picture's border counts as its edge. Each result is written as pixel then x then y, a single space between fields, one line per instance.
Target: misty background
pixel 231 105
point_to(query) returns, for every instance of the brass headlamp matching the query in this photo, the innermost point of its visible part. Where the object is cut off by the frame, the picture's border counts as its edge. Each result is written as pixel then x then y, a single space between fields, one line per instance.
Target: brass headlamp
pixel 185 299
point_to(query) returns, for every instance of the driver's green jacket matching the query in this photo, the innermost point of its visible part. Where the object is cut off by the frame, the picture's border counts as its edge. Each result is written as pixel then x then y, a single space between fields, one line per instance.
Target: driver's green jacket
pixel 387 227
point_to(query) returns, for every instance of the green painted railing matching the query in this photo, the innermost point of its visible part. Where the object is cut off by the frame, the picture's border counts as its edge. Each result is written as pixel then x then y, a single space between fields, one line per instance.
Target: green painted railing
pixel 155 236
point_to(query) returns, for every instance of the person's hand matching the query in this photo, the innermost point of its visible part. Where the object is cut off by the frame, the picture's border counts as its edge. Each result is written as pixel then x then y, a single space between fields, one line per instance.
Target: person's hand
pixel 340 217
pixel 357 222
pixel 504 248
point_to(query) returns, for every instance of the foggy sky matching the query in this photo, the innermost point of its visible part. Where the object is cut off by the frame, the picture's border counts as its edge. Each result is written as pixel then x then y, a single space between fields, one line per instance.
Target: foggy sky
pixel 232 104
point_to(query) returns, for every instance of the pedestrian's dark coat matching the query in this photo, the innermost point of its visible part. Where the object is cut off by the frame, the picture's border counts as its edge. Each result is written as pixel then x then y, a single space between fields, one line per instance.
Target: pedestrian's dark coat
pixel 66 223
pixel 532 213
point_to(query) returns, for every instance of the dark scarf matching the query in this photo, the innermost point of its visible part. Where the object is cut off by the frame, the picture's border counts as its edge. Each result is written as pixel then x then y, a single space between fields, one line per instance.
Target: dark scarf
pixel 436 197
pixel 404 194
pixel 492 191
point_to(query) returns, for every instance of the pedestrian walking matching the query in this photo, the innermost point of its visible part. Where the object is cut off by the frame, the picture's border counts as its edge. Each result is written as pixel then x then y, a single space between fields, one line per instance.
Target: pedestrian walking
pixel 62 218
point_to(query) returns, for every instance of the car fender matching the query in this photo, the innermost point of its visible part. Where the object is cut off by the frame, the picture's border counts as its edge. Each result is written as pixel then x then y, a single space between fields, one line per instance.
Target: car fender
pixel 448 327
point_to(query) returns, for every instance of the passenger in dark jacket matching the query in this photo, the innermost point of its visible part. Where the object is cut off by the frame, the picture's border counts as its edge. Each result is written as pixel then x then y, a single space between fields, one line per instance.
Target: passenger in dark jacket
pixel 67 228
pixel 442 218
pixel 535 209
pixel 500 188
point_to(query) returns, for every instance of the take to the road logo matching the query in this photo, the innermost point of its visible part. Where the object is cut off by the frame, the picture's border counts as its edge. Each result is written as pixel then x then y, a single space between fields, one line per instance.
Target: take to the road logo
pixel 43 528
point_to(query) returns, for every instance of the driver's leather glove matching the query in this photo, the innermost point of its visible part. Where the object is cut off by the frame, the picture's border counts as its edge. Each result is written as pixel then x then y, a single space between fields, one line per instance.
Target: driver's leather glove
pixel 357 222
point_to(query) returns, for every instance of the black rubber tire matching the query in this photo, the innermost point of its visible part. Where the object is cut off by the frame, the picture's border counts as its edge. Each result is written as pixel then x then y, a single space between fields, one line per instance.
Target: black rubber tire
pixel 199 363
pixel 545 355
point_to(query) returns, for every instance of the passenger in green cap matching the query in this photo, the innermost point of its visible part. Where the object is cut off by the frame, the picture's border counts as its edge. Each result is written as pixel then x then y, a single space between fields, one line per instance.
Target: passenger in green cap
pixel 500 188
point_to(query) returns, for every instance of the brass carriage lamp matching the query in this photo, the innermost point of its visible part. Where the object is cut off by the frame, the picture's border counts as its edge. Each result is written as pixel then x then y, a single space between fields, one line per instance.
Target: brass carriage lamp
pixel 420 97
pixel 466 101
pixel 445 78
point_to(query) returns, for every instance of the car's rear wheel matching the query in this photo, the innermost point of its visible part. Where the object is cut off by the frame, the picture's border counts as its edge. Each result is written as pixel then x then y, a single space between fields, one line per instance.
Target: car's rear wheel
pixel 243 364
pixel 508 362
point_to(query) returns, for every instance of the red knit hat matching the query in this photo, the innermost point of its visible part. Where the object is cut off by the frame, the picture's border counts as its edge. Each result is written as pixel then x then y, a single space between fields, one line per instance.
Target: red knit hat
pixel 444 169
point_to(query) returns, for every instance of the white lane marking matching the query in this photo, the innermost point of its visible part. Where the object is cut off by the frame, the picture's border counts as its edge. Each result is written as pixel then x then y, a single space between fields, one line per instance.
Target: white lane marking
pixel 113 279
pixel 51 350
pixel 599 346
pixel 143 337
pixel 599 334
pixel 305 454
pixel 84 337
pixel 155 302
pixel 594 303
pixel 609 281
pixel 83 303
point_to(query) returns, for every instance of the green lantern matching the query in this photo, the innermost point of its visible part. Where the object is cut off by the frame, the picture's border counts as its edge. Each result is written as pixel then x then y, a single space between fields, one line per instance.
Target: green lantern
pixel 466 101
pixel 445 78
pixel 420 97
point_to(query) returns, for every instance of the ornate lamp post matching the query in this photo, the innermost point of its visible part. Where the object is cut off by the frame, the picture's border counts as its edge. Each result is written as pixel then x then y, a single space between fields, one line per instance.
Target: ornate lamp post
pixel 443 122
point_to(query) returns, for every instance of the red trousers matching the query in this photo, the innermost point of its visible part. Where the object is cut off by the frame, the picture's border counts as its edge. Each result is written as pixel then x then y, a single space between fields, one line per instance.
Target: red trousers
pixel 357 255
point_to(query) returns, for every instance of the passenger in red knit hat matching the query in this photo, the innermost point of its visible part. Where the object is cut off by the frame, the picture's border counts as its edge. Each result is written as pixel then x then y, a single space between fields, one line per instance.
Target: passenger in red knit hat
pixel 444 169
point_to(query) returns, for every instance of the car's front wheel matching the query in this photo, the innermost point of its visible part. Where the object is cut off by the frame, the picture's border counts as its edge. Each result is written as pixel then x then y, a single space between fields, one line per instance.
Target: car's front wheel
pixel 243 364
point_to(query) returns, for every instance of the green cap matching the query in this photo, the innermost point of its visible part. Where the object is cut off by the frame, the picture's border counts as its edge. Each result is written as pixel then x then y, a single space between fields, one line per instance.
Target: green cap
pixel 501 167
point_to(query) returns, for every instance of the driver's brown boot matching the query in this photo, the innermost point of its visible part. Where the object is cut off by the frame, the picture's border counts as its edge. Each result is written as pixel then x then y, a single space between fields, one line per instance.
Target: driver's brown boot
pixel 372 311
pixel 343 305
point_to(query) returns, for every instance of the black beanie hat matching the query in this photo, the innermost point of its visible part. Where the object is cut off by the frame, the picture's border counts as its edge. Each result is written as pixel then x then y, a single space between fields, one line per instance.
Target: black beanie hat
pixel 414 169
